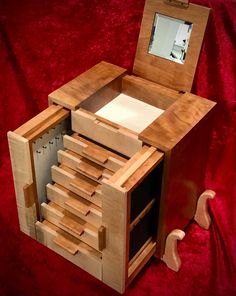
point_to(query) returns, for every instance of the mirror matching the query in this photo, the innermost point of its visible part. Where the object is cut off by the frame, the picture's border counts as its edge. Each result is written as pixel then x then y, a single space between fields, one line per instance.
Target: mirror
pixel 170 38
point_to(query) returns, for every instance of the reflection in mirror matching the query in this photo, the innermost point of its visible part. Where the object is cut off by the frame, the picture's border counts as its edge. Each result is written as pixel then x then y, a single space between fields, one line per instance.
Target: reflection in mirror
pixel 170 38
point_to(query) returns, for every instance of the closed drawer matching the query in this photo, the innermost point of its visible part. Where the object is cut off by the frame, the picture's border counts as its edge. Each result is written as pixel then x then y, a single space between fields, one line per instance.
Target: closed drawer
pixel 105 132
pixel 83 165
pixel 70 223
pixel 77 183
pixel 75 204
pixel 70 248
pixel 94 152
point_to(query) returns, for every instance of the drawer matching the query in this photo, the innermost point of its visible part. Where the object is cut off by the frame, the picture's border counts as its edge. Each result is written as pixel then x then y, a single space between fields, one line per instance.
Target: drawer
pixel 70 248
pixel 70 223
pixel 75 204
pixel 105 132
pixel 83 165
pixel 94 152
pixel 77 183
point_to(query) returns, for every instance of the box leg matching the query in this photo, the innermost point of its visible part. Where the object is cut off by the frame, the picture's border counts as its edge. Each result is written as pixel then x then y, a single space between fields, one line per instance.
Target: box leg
pixel 171 256
pixel 202 216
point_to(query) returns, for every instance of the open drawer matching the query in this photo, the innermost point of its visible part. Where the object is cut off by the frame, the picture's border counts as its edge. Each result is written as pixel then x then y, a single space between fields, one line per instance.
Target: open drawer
pixel 77 205
pixel 70 223
pixel 70 248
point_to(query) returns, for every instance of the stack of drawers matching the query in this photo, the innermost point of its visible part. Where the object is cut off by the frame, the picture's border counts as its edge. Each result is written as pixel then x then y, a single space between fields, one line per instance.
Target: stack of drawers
pixel 72 218
pixel 102 207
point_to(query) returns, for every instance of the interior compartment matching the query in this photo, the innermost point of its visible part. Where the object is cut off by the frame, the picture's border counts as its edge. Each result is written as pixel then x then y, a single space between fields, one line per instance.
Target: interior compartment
pixel 145 230
pixel 133 107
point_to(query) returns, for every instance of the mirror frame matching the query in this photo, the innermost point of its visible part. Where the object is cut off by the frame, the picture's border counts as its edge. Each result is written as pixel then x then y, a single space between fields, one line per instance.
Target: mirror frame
pixel 165 72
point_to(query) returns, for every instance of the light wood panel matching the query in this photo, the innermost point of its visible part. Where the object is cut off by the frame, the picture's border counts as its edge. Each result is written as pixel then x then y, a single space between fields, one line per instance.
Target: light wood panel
pixel 114 207
pixel 165 72
pixel 149 92
pixel 118 139
pixel 23 182
pixel 178 120
pixel 57 240
pixel 38 125
pixel 73 93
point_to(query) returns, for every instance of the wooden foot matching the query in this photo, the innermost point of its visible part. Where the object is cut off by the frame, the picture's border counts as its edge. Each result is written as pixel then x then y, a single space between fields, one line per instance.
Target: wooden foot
pixel 171 256
pixel 202 216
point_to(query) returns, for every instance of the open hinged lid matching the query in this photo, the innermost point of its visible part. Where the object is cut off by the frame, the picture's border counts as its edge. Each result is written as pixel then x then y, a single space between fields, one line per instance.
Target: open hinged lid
pixel 169 42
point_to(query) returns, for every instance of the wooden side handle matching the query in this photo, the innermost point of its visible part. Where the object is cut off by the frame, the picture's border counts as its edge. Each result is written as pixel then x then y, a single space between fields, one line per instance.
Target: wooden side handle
pixel 95 154
pixel 83 186
pixel 77 206
pixel 72 225
pixel 101 238
pixel 29 195
pixel 66 244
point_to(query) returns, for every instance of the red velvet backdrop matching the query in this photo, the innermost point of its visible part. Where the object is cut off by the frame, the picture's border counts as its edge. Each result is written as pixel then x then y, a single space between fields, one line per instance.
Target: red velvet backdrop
pixel 44 44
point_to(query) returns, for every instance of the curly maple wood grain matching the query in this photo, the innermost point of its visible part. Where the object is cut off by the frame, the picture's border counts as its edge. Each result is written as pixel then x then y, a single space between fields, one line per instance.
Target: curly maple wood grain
pixel 99 82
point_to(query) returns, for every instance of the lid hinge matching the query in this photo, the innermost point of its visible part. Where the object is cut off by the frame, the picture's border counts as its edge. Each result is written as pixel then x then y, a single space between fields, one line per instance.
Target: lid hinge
pixel 179 3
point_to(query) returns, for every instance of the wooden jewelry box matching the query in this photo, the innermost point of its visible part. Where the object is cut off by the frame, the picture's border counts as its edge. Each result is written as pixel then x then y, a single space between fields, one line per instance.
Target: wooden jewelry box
pixel 113 170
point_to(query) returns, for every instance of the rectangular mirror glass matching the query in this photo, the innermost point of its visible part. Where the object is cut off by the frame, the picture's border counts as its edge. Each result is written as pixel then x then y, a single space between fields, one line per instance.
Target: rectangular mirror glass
pixel 170 38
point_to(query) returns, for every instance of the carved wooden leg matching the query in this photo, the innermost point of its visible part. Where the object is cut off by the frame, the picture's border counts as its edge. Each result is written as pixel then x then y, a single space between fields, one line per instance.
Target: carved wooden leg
pixel 171 256
pixel 201 216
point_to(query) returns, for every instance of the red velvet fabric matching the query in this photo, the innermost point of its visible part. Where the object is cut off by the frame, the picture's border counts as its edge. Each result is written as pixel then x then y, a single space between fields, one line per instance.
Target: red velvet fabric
pixel 44 44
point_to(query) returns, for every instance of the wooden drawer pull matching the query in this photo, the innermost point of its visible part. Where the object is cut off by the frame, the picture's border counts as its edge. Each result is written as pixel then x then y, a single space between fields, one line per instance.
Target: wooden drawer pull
pixel 83 186
pixel 71 225
pixel 95 154
pixel 77 206
pixel 66 244
pixel 89 170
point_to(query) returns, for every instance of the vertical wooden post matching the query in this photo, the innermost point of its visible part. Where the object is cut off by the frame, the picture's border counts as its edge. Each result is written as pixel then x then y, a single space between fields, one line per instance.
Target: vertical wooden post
pixel 23 181
pixel 114 219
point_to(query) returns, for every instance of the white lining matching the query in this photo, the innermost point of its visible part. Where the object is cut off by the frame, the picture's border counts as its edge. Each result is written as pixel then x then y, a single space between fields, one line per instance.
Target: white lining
pixel 130 112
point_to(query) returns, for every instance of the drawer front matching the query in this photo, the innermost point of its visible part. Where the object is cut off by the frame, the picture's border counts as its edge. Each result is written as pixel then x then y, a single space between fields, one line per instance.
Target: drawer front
pixel 83 165
pixel 77 205
pixel 70 248
pixel 77 183
pixel 106 133
pixel 71 224
pixel 94 152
